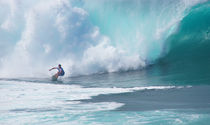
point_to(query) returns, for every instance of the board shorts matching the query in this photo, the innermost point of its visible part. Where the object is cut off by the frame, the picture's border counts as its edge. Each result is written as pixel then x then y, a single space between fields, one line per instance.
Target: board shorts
pixel 62 73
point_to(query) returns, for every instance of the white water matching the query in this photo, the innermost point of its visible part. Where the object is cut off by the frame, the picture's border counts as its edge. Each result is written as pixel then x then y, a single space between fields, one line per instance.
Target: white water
pixel 43 103
pixel 36 97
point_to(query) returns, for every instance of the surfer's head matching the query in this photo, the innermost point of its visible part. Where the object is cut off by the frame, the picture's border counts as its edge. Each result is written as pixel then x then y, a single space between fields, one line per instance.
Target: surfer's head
pixel 59 65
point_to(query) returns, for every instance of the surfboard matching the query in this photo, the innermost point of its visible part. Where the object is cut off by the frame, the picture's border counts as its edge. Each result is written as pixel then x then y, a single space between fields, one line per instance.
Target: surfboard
pixel 54 78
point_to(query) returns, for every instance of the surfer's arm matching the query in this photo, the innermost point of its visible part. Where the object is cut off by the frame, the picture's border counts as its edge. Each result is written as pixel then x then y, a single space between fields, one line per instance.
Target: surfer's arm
pixel 53 68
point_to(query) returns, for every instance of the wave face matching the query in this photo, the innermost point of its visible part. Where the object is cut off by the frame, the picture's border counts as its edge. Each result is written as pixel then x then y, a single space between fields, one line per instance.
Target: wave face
pixel 91 36
pixel 188 49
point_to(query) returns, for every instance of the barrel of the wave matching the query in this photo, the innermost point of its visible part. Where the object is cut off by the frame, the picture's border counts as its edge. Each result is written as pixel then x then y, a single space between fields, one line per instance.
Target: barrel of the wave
pixel 189 48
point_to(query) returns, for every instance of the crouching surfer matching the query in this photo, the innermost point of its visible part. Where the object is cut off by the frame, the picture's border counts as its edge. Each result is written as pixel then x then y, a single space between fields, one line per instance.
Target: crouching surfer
pixel 59 73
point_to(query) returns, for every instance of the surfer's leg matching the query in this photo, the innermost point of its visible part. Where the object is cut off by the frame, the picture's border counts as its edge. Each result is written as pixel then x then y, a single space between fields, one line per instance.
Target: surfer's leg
pixel 56 75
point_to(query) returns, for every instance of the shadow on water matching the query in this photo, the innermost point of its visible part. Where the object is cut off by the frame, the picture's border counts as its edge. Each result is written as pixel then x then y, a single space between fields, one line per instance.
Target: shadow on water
pixel 174 98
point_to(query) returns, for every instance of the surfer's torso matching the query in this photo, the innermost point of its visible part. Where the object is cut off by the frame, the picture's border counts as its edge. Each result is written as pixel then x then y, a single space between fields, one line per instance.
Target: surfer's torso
pixel 61 71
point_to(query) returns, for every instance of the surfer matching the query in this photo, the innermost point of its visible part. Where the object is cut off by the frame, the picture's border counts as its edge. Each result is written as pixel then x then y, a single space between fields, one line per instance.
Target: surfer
pixel 60 71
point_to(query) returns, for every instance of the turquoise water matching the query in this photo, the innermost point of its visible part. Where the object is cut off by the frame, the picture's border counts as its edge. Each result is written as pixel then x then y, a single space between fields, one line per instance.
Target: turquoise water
pixel 76 101
pixel 127 62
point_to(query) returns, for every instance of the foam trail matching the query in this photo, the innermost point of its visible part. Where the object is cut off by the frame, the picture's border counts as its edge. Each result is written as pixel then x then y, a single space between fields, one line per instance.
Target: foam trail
pixel 77 92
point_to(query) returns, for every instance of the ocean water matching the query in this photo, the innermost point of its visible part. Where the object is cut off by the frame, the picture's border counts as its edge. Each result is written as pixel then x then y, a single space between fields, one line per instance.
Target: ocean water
pixel 127 62
pixel 103 100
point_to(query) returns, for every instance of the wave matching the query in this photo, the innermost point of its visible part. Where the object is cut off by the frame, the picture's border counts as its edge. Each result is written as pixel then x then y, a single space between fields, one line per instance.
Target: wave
pixel 191 41
pixel 188 49
pixel 89 37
